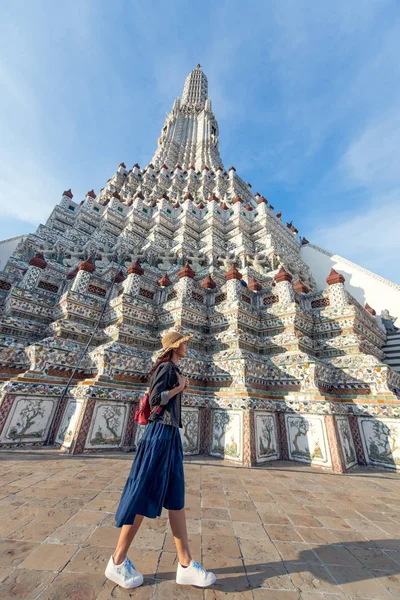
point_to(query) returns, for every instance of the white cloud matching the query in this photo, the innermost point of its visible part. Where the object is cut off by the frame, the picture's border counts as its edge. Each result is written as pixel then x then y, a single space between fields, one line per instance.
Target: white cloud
pixel 370 237
pixel 373 158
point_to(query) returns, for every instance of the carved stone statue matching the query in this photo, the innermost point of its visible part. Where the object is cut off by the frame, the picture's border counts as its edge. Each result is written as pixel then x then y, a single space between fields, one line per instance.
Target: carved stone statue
pixel 196 258
pixel 388 321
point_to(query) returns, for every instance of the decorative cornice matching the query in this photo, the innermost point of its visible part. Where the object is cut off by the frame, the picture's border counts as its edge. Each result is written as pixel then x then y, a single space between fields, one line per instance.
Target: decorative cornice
pixel 38 261
pixel 233 273
pixel 87 265
pixel 164 281
pixel 254 285
pixel 135 269
pixel 208 283
pixel 334 277
pixel 282 275
pixel 186 271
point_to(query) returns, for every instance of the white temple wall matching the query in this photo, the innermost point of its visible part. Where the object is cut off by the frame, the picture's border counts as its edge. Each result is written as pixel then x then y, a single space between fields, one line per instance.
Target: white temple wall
pixel 7 247
pixel 365 286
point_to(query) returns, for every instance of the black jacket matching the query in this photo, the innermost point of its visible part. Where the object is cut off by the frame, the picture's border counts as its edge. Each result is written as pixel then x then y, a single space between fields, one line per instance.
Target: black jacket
pixel 161 382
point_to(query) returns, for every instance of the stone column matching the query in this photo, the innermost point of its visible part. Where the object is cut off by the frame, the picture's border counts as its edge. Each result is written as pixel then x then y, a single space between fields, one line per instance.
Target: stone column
pixel 284 287
pixel 131 285
pixel 210 286
pixel 337 292
pixel 82 278
pixel 233 285
pixel 355 431
pixel 185 287
pixel 282 436
pixel 36 265
pixel 164 282
pixel 249 440
pixel 256 287
pixel 335 449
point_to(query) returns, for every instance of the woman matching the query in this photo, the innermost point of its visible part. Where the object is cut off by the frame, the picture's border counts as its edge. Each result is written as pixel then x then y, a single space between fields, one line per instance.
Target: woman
pixel 156 479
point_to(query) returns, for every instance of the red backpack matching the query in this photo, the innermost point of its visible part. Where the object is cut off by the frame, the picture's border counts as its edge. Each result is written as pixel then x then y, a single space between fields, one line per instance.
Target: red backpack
pixel 144 410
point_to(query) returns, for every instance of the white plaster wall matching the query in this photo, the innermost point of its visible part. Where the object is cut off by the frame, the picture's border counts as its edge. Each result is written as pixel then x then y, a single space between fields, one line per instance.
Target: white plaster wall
pixel 364 285
pixel 7 247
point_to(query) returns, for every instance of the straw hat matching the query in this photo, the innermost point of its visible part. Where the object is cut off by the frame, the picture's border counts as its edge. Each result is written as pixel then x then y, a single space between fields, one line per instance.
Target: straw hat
pixel 172 340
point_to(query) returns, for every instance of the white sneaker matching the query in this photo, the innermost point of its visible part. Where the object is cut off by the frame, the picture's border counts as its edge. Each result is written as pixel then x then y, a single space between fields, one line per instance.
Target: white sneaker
pixel 194 574
pixel 125 574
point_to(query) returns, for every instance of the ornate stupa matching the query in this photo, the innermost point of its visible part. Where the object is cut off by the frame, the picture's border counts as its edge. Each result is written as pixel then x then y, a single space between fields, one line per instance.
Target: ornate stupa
pixel 288 360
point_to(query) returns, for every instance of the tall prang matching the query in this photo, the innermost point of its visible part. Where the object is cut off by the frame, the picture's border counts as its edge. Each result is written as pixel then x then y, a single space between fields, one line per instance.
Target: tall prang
pixel 280 366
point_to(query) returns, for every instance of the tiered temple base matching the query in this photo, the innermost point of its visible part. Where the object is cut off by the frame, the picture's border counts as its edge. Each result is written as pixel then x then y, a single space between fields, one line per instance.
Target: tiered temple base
pixel 277 368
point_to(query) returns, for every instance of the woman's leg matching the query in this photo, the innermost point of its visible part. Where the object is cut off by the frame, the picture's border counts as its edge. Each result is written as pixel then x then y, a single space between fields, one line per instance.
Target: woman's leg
pixel 126 536
pixel 177 519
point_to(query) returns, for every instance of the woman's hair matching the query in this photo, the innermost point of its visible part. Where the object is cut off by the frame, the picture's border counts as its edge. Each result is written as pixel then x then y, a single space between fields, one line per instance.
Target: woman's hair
pixel 159 361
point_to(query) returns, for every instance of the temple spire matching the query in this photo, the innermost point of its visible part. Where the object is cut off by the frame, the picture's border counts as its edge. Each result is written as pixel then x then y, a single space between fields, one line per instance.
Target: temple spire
pixel 195 90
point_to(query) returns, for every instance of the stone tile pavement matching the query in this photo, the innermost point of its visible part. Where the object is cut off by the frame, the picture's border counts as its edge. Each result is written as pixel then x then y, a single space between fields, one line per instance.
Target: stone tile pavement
pixel 280 532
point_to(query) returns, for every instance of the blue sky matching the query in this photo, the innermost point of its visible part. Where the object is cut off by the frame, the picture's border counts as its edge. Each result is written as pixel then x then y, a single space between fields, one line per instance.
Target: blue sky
pixel 306 94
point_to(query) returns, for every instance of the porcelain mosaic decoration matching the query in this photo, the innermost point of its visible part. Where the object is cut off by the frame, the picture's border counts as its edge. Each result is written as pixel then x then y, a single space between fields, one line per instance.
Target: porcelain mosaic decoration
pixel 277 368
pixel 307 439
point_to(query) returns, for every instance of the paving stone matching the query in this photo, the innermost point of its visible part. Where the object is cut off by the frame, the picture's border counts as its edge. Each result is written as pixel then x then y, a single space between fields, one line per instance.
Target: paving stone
pixel 359 584
pixel 158 524
pixel 283 533
pixel 49 557
pixel 263 549
pixel 374 558
pixel 317 535
pixel 106 537
pixel 250 530
pixel 230 572
pixel 215 594
pixel 305 521
pixel 35 531
pixel 110 591
pixel 87 517
pixel 104 502
pixel 267 575
pixel 245 516
pixel 169 544
pixel 247 505
pixel 213 527
pixel 389 580
pixel 273 517
pixel 169 590
pixel 167 565
pixel 12 552
pixel 297 552
pixel 223 514
pixel 90 560
pixel 277 595
pixel 70 534
pixel 76 586
pixel 311 578
pixel 220 545
pixel 25 584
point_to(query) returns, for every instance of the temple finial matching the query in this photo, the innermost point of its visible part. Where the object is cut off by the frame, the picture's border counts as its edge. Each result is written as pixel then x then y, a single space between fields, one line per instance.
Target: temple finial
pixel 195 90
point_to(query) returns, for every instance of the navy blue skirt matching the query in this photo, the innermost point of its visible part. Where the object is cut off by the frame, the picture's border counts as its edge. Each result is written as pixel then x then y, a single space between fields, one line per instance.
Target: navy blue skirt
pixel 156 479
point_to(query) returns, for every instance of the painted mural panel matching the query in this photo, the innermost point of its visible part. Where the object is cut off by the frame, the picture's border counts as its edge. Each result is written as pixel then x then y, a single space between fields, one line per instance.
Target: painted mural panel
pixel 266 437
pixel 346 442
pixel 140 429
pixel 227 430
pixel 29 420
pixel 69 422
pixel 108 426
pixel 190 430
pixel 381 441
pixel 307 439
